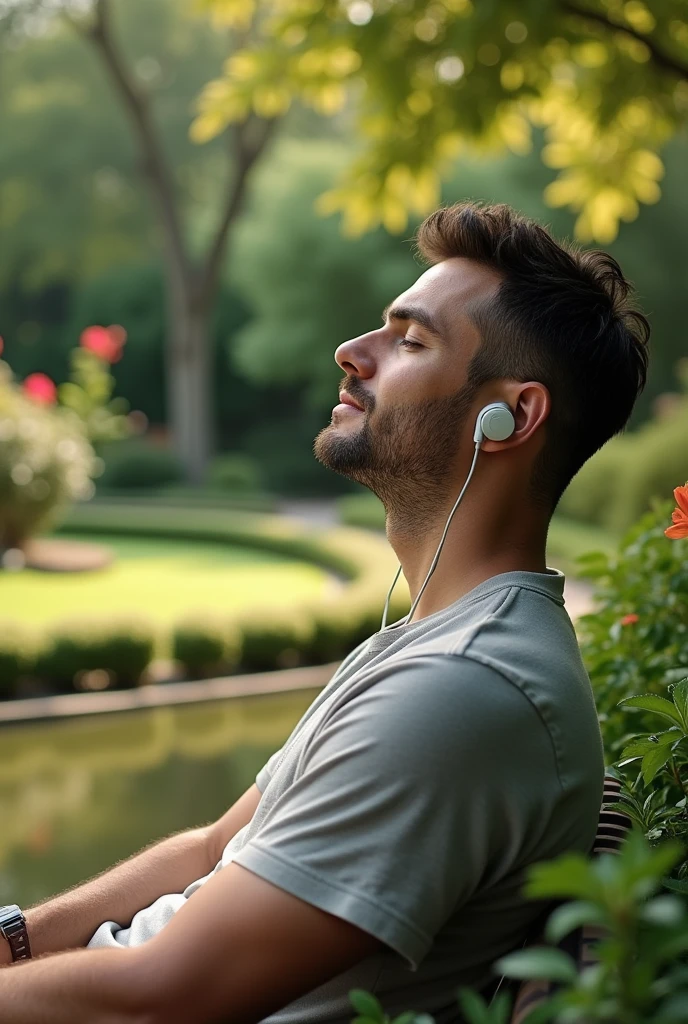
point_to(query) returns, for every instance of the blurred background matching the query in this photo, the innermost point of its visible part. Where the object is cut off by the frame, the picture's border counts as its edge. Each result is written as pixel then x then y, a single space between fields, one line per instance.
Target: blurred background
pixel 199 201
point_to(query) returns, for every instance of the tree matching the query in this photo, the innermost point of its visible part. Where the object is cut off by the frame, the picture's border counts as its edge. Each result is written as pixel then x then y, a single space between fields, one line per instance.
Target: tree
pixel 607 81
pixel 191 266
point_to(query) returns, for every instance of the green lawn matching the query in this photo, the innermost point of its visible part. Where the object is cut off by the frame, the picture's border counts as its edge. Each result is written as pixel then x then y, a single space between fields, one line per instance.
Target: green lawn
pixel 163 580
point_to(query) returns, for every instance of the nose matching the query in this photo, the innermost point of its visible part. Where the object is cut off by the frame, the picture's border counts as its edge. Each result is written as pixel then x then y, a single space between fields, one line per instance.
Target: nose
pixel 355 357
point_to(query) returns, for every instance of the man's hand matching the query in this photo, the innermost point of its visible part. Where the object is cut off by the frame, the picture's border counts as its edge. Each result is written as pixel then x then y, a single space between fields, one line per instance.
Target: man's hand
pixel 239 950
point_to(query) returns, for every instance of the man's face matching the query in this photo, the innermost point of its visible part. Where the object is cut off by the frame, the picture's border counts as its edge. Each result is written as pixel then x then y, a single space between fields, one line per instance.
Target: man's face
pixel 409 377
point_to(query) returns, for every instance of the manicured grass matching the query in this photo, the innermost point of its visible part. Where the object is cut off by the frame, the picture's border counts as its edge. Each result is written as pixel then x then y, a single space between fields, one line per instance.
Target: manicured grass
pixel 163 579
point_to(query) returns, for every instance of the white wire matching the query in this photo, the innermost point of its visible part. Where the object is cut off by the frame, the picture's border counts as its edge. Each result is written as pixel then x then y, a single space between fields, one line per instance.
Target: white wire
pixel 437 555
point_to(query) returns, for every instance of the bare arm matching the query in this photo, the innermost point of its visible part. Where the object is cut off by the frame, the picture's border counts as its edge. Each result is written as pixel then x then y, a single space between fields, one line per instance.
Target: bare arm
pixel 69 920
pixel 206 965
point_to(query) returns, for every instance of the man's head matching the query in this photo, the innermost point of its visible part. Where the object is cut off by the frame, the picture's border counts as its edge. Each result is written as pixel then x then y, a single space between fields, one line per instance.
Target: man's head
pixel 504 312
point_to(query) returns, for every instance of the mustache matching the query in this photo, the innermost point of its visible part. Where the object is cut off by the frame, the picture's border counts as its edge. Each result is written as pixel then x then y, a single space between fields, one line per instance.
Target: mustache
pixel 352 386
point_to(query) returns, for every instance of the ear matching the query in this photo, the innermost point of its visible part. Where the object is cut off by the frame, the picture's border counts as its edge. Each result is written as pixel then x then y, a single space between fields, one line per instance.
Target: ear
pixel 530 403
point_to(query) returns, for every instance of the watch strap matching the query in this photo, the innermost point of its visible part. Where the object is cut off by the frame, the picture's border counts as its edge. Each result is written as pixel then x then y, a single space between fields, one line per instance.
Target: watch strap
pixel 17 935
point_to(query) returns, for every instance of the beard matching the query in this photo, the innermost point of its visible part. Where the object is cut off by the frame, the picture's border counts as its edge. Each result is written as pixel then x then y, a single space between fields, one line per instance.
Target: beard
pixel 406 458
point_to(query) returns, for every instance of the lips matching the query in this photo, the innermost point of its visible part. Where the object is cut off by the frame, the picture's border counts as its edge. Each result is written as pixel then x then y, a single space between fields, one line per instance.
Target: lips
pixel 346 399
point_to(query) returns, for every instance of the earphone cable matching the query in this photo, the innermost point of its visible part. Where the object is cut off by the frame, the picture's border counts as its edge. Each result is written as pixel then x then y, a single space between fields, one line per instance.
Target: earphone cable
pixel 437 554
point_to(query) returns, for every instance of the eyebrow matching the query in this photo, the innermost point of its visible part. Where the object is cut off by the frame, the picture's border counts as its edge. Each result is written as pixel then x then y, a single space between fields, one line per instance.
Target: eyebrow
pixel 419 316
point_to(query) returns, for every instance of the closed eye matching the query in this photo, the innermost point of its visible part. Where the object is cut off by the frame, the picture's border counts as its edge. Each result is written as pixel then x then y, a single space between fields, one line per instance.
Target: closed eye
pixel 408 343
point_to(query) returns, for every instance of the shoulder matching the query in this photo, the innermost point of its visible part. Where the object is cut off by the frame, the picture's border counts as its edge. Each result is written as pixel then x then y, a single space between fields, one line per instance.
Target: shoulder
pixel 454 709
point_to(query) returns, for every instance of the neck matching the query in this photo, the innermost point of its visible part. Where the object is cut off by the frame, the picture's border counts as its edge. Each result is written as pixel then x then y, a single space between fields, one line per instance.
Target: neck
pixel 484 539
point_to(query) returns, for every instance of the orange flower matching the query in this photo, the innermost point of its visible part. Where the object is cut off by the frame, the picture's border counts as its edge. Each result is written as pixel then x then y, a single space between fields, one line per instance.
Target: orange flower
pixel 679 516
pixel 630 620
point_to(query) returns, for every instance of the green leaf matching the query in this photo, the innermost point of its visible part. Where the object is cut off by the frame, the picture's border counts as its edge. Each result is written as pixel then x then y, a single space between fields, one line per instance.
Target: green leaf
pixel 680 696
pixel 569 876
pixel 473 1006
pixel 658 705
pixel 640 746
pixel 654 761
pixel 664 911
pixel 366 1004
pixel 538 962
pixel 679 885
pixel 570 916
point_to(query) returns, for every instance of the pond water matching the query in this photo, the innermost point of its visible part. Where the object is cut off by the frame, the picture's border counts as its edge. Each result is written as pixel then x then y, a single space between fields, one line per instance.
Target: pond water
pixel 78 795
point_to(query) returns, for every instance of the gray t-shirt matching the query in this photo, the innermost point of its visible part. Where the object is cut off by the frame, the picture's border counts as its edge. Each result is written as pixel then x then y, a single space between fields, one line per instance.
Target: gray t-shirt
pixel 441 760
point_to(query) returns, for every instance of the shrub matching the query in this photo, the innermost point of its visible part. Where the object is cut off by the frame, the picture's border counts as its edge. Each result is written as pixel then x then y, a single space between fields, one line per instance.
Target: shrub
pixel 122 650
pixel 46 463
pixel 590 495
pixel 236 473
pixel 205 647
pixel 273 639
pixel 616 486
pixel 15 658
pixel 659 459
pixel 139 464
pixel 636 640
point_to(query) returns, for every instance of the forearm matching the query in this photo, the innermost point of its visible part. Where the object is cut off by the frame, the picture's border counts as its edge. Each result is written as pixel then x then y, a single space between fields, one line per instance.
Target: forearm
pixel 100 986
pixel 69 920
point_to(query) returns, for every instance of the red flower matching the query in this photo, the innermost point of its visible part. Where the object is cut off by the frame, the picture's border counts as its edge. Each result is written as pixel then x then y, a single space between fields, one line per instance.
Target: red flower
pixel 106 342
pixel 679 516
pixel 40 387
pixel 2 345
pixel 630 620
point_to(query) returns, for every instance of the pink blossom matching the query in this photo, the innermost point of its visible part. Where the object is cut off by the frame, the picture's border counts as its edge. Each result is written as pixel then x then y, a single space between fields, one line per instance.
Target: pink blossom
pixel 41 388
pixel 105 342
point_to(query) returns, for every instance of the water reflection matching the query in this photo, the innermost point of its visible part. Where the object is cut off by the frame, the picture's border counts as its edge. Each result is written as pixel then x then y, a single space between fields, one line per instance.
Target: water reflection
pixel 76 796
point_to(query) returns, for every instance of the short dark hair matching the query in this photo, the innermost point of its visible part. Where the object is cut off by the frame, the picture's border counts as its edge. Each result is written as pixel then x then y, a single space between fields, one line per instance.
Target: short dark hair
pixel 562 316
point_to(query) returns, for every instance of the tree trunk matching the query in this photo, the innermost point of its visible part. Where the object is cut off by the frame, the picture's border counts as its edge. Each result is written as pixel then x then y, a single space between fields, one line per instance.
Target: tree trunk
pixel 188 384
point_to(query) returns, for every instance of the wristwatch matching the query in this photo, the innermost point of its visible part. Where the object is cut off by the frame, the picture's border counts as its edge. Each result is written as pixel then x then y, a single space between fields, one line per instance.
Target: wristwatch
pixel 13 928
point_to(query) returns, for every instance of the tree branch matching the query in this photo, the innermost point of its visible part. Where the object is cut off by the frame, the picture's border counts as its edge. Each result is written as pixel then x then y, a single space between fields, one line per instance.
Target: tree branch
pixel 660 58
pixel 99 32
pixel 247 150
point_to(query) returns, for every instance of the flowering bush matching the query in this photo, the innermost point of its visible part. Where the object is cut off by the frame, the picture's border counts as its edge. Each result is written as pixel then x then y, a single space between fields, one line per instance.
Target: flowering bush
pixel 47 433
pixel 636 639
pixel 46 462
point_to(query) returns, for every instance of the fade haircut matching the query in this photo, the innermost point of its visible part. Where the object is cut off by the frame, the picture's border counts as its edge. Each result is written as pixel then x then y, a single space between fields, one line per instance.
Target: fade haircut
pixel 562 317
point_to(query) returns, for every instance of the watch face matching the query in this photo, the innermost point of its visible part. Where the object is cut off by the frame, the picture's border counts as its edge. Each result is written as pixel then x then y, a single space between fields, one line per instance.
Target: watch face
pixel 10 913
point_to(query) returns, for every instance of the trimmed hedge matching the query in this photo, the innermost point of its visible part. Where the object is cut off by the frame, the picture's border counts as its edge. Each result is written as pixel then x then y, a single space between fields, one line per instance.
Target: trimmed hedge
pixel 258 639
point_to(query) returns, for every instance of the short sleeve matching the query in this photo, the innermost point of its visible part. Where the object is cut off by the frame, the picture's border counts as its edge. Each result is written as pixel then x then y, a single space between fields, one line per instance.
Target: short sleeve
pixel 409 796
pixel 266 772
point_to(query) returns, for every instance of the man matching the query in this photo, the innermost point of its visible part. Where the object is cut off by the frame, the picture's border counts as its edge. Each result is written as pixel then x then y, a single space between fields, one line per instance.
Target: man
pixel 384 847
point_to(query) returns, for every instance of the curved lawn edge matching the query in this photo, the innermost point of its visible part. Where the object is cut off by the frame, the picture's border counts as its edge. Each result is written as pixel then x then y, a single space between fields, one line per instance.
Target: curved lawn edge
pixel 155 695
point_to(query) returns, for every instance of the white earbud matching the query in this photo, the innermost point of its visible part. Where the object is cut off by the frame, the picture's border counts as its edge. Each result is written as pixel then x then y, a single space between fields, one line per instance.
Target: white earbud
pixel 495 422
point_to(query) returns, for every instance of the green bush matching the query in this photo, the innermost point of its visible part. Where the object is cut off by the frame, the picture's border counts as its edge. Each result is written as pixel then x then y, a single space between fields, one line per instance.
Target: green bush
pixel 273 639
pixel 659 462
pixel 647 580
pixel 205 647
pixel 122 650
pixel 616 486
pixel 590 495
pixel 15 658
pixel 139 464
pixel 235 473
pixel 46 463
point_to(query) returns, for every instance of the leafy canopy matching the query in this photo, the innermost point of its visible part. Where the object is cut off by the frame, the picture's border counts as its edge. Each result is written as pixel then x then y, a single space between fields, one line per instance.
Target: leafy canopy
pixel 606 81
